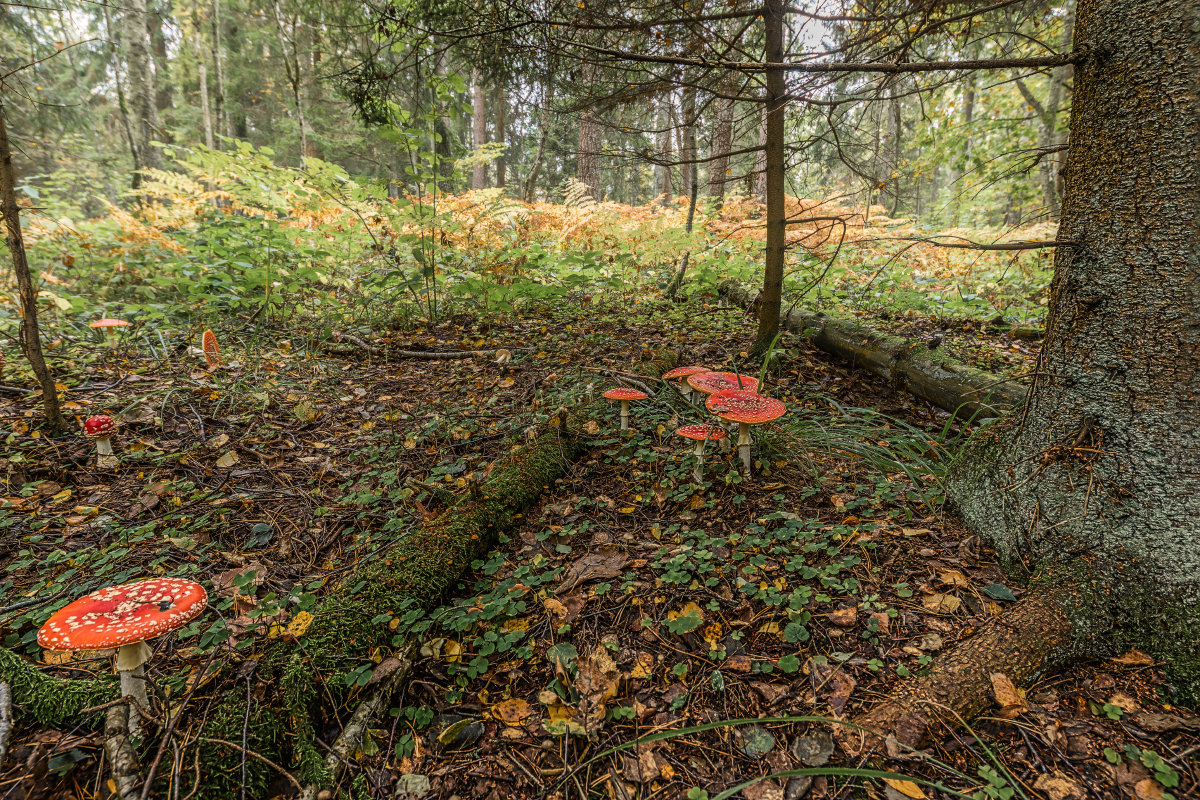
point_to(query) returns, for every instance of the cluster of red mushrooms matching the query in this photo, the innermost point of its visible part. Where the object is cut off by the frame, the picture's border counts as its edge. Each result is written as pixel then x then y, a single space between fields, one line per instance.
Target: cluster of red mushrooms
pixel 732 397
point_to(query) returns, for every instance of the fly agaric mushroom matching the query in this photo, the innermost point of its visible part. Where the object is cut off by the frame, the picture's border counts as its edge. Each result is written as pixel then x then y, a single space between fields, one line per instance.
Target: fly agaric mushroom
pixel 746 409
pixel 710 382
pixel 125 617
pixel 109 326
pixel 101 429
pixel 680 374
pixel 625 395
pixel 701 434
pixel 212 351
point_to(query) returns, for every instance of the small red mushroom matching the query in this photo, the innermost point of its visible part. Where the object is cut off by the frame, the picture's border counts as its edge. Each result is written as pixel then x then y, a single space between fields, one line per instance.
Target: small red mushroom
pixel 212 351
pixel 101 429
pixel 125 617
pixel 701 434
pixel 680 375
pixel 746 409
pixel 110 328
pixel 625 395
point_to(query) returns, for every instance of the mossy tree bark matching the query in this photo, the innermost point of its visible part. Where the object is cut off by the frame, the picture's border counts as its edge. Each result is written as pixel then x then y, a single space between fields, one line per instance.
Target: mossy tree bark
pixel 1097 477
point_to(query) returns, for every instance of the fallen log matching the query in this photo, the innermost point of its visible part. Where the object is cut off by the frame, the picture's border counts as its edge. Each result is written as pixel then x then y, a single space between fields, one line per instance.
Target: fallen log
pixel 905 364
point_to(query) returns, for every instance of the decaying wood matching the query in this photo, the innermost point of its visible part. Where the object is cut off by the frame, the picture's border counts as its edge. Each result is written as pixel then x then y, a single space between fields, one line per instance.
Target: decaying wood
pixel 1019 644
pixel 5 721
pixel 907 365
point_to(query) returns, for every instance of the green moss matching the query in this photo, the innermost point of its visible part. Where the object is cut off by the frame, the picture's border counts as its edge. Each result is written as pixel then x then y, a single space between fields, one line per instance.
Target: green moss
pixel 51 700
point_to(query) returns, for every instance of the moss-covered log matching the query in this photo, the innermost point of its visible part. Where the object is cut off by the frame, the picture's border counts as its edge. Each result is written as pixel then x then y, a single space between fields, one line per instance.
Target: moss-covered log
pixel 416 572
pixel 907 365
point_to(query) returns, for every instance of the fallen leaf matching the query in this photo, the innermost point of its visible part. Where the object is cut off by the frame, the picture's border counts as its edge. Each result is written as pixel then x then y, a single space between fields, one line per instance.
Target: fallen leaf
pixel 1134 658
pixel 605 562
pixel 941 603
pixel 228 459
pixel 954 578
pixel 597 683
pixel 844 617
pixel 1009 697
pixel 905 788
pixel 1126 703
pixel 299 624
pixel 1057 786
pixel 512 712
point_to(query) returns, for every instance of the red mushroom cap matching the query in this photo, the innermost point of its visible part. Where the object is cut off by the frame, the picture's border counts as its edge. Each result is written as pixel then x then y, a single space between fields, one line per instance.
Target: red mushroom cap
pixel 625 394
pixel 749 407
pixel 100 426
pixel 121 615
pixel 710 382
pixel 683 372
pixel 212 351
pixel 702 432
pixel 108 323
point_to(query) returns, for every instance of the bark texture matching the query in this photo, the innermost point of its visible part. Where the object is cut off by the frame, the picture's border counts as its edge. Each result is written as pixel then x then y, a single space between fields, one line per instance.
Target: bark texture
pixel 139 69
pixel 590 140
pixel 478 128
pixel 1099 469
pixel 664 189
pixel 1018 644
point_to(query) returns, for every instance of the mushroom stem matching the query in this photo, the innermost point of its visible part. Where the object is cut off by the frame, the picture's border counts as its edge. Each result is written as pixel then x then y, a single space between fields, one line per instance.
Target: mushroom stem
pixel 104 447
pixel 131 660
pixel 624 415
pixel 744 445
pixel 698 471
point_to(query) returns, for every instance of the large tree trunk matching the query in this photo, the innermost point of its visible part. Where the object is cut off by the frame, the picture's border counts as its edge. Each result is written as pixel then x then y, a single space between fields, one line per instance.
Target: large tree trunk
pixel 224 118
pixel 1097 474
pixel 478 128
pixel 31 339
pixel 205 109
pixel 545 119
pixel 142 112
pixel 722 143
pixel 158 48
pixel 775 108
pixel 664 189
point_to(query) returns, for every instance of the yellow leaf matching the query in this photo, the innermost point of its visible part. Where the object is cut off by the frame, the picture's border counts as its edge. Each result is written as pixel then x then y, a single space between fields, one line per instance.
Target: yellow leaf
pixel 299 624
pixel 906 788
pixel 228 459
pixel 942 603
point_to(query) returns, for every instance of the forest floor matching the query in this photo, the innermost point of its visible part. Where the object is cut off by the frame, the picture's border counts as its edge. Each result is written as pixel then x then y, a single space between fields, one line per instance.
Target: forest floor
pixel 627 602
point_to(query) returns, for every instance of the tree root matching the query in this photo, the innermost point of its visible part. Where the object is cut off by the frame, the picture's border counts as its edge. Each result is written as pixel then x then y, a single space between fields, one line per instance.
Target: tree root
pixel 909 366
pixel 1021 643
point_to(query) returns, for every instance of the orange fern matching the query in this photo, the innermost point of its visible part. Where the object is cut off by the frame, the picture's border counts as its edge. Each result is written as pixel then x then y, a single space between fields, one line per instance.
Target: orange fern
pixel 212 352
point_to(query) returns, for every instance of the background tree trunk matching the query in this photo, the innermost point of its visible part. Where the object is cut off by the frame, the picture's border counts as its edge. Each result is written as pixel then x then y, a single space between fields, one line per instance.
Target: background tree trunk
pixel 478 128
pixel 545 118
pixel 664 188
pixel 760 164
pixel 1099 469
pixel 590 140
pixel 501 122
pixel 1047 114
pixel 163 88
pixel 687 142
pixel 140 77
pixel 31 338
pixel 775 109
pixel 722 143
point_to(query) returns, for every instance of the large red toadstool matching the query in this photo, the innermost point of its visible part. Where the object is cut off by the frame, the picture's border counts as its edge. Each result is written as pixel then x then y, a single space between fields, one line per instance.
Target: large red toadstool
pixel 680 375
pixel 101 429
pixel 710 382
pixel 110 328
pixel 125 617
pixel 701 434
pixel 625 395
pixel 746 409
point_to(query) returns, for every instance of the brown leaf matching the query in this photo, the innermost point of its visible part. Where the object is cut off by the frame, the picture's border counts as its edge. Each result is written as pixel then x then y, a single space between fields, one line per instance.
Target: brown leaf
pixel 1134 658
pixel 597 683
pixel 1009 697
pixel 1057 786
pixel 512 712
pixel 831 683
pixel 954 578
pixel 941 603
pixel 844 617
pixel 603 563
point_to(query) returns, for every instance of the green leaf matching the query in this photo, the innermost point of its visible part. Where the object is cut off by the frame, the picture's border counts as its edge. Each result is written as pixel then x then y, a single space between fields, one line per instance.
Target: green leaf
pixel 998 591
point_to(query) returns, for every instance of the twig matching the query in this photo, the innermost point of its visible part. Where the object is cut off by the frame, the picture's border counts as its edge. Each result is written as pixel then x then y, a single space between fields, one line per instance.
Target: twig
pixel 122 759
pixel 352 734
